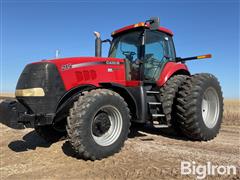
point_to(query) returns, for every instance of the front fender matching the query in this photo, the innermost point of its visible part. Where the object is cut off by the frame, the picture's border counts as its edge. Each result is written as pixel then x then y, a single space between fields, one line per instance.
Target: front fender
pixel 66 98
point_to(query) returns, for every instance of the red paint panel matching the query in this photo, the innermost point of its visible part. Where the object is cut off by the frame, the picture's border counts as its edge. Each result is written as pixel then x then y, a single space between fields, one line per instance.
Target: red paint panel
pixel 133 26
pixel 132 83
pixel 169 69
pixel 168 31
pixel 95 73
pixel 79 76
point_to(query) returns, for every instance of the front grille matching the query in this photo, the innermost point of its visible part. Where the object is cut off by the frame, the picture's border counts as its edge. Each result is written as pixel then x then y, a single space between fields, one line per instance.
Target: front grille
pixel 44 75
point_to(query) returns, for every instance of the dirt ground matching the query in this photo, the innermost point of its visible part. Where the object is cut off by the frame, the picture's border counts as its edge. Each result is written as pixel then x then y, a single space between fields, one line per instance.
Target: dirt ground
pixel 149 153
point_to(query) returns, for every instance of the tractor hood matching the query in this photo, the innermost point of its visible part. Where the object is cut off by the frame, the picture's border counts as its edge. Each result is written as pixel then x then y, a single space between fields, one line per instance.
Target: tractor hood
pixel 75 71
pixel 48 80
pixel 89 70
pixel 77 62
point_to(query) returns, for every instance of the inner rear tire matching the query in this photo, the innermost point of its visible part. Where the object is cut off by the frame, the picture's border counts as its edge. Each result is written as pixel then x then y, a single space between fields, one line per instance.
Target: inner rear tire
pixel 200 107
pixel 98 124
pixel 168 99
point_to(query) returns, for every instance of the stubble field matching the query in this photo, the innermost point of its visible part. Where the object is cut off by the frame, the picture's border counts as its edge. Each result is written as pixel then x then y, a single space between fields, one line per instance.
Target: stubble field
pixel 149 153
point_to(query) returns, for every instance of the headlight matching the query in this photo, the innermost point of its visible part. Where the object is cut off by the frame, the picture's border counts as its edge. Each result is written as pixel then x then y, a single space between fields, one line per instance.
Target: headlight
pixel 36 92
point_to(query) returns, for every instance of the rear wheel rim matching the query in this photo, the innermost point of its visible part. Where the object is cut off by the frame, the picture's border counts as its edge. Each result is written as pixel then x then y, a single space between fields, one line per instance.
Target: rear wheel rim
pixel 210 107
pixel 106 125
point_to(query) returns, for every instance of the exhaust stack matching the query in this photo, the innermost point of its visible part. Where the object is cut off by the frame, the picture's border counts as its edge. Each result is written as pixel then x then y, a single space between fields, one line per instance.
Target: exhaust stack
pixel 98 44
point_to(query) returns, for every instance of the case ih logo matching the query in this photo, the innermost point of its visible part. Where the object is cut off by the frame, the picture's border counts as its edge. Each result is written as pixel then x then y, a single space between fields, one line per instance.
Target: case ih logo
pixel 112 62
pixel 66 67
pixel 70 66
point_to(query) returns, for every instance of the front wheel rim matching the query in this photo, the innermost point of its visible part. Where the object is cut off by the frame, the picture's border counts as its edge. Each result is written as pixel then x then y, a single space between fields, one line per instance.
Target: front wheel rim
pixel 109 134
pixel 210 107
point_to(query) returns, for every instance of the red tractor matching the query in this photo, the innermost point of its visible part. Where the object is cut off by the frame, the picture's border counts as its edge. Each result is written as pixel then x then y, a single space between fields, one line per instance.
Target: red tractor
pixel 93 100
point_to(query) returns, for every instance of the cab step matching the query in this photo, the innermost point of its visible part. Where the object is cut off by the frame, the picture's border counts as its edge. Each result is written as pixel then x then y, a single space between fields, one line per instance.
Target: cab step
pixel 157 125
pixel 154 103
pixel 158 115
pixel 161 126
pixel 152 92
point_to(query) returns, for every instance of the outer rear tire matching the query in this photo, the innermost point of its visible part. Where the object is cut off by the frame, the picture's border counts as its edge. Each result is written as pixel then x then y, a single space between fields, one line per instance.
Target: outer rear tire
pixel 86 139
pixel 196 121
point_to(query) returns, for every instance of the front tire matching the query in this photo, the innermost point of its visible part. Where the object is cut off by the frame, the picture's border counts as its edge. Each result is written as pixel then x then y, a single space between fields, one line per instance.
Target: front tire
pixel 98 124
pixel 200 107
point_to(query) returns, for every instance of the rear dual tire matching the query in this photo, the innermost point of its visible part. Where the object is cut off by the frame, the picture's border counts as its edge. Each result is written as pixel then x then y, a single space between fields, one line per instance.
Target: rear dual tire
pixel 168 96
pixel 199 107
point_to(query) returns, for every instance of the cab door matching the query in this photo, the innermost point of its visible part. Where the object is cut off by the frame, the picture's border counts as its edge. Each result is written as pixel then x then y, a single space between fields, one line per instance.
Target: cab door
pixel 159 50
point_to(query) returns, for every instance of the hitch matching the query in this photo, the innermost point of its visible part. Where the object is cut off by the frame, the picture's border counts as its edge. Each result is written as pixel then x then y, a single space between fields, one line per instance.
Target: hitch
pixel 9 113
pixel 14 115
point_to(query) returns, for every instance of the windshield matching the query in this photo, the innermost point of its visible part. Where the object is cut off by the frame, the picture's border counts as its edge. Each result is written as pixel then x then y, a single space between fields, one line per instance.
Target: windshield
pixel 126 46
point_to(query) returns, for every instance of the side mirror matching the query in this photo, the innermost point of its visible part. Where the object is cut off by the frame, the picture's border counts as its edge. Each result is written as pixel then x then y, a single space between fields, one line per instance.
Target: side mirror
pixel 154 23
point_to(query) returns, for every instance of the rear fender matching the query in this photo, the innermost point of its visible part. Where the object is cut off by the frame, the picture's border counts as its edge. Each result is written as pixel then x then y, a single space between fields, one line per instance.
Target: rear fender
pixel 170 69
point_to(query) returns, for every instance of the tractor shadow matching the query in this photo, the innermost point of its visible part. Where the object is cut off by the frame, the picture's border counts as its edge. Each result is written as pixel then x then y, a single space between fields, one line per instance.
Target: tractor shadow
pixel 8 117
pixel 29 141
pixel 32 140
pixel 68 149
pixel 140 131
pixel 135 131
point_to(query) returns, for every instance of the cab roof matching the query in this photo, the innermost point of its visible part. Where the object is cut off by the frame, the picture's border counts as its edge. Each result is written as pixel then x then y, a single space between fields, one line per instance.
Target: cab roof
pixel 141 24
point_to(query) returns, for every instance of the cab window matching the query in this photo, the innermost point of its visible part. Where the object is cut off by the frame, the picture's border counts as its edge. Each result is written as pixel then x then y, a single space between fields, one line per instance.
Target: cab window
pixel 126 46
pixel 158 50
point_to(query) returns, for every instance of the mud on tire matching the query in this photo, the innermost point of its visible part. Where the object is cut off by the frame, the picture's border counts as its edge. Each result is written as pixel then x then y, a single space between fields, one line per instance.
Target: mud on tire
pixel 98 124
pixel 200 107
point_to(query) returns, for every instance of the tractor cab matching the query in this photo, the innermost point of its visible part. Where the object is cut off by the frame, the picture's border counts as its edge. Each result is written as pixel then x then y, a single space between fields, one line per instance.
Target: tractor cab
pixel 145 47
pixel 157 49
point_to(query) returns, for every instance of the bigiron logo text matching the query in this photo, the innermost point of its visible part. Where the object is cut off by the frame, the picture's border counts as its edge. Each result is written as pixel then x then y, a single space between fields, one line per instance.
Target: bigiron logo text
pixel 201 171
